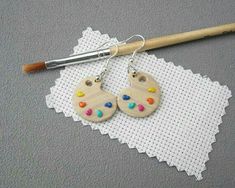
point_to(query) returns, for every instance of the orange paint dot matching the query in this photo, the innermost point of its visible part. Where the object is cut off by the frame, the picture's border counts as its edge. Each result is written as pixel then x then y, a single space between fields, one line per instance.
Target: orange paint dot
pixel 150 100
pixel 82 104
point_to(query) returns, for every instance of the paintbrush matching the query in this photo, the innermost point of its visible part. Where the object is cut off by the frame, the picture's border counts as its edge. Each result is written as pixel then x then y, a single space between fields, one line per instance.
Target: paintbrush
pixel 129 48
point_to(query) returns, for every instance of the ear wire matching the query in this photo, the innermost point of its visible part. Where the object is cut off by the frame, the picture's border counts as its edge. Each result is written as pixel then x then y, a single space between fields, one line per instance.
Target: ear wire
pixel 130 67
pixel 100 77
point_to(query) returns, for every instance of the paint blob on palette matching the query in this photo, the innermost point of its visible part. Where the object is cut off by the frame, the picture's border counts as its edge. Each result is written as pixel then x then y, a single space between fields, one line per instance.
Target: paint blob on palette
pixel 142 97
pixel 91 102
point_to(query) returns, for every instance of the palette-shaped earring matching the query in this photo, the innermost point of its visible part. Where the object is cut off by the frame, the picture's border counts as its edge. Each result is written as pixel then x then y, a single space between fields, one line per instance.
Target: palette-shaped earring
pixel 142 97
pixel 91 102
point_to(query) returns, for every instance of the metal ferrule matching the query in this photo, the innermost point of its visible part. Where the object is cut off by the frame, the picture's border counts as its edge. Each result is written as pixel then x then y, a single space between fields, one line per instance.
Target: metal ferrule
pixel 78 59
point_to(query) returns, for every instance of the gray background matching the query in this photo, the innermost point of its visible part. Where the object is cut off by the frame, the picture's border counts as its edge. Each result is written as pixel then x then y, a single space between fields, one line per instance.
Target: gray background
pixel 40 148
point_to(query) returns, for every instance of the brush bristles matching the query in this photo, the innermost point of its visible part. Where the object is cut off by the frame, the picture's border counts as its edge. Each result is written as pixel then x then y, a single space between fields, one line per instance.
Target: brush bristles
pixel 29 68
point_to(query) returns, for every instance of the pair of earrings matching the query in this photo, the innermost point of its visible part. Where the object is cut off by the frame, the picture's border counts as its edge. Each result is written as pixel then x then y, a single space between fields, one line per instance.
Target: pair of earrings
pixel 139 100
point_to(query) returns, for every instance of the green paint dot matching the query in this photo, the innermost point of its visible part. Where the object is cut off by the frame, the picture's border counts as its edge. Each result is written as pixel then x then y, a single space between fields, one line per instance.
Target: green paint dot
pixel 99 113
pixel 131 105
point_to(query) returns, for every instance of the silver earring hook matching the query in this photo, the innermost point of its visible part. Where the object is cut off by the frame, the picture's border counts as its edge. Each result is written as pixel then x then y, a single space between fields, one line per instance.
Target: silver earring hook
pixel 130 67
pixel 139 48
pixel 105 67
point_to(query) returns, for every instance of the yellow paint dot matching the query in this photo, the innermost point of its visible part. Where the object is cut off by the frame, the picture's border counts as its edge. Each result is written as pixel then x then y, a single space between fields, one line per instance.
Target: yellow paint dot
pixel 80 94
pixel 152 89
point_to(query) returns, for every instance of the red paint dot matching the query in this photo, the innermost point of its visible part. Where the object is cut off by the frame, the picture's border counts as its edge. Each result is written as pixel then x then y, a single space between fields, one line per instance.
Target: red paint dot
pixel 88 112
pixel 140 107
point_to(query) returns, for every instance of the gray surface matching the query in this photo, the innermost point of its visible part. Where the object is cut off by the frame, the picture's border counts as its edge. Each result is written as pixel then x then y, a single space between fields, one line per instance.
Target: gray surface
pixel 45 149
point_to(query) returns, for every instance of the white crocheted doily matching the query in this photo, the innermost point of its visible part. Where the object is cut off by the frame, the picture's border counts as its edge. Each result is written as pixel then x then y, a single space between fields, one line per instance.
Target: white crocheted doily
pixel 183 128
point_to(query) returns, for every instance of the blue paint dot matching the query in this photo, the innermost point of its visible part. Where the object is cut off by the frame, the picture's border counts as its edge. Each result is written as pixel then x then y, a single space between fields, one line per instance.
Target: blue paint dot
pixel 126 97
pixel 108 104
pixel 131 105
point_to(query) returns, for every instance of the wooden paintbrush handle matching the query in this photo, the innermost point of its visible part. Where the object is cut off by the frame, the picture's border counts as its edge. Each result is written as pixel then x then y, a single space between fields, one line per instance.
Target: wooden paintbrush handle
pixel 128 48
pixel 174 39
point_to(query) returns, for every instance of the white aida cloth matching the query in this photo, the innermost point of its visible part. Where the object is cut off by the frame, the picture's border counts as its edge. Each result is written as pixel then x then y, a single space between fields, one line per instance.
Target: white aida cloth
pixel 183 128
